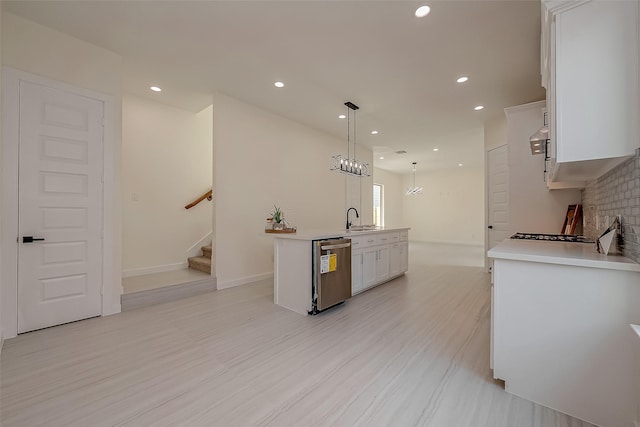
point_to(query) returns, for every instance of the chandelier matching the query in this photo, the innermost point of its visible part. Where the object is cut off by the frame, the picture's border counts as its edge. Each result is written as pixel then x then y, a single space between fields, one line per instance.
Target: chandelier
pixel 350 165
pixel 414 190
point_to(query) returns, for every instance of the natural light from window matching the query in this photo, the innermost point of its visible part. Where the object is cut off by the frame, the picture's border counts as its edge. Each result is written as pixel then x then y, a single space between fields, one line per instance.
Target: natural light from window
pixel 378 205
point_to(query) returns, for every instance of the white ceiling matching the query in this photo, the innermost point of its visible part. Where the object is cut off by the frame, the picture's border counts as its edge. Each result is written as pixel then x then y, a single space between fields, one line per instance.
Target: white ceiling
pixel 399 69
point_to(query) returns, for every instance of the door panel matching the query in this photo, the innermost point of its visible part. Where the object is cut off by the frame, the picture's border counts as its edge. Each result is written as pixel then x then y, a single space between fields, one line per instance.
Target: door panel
pixel 404 257
pixel 394 260
pixel 60 200
pixel 369 258
pixel 498 195
pixel 382 265
pixel 356 272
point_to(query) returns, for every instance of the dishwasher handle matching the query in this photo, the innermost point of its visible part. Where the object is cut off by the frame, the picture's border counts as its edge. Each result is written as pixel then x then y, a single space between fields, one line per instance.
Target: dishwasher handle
pixel 340 246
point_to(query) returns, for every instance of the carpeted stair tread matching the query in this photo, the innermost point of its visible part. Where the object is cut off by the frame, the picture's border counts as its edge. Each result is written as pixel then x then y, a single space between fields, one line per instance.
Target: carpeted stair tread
pixel 200 263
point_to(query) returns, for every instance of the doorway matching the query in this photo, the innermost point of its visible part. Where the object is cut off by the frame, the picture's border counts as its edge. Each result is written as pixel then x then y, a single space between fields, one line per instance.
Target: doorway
pixel 54 185
pixel 378 205
pixel 497 196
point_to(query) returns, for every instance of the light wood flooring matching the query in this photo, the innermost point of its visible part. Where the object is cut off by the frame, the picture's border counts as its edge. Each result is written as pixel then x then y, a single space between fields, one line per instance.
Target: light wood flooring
pixel 411 352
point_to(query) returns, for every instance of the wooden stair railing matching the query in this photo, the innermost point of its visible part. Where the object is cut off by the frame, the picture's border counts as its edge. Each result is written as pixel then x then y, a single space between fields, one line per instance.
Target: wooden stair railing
pixel 208 195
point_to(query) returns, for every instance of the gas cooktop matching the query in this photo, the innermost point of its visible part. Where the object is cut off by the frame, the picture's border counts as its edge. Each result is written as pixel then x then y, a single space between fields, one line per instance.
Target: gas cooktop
pixel 552 237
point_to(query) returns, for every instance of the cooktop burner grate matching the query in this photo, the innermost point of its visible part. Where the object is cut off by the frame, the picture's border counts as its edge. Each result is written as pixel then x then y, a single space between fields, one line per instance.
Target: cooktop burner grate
pixel 552 237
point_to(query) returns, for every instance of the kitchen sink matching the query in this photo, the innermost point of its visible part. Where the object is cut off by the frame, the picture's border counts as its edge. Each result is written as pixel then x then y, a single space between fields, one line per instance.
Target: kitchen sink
pixel 362 228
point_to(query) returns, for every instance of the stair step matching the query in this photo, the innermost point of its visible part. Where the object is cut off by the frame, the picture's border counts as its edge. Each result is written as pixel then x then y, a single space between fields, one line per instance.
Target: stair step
pixel 200 263
pixel 168 293
pixel 207 250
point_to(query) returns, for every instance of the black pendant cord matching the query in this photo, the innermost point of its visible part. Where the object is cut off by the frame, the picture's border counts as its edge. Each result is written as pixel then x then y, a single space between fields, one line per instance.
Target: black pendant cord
pixel 355 127
pixel 348 135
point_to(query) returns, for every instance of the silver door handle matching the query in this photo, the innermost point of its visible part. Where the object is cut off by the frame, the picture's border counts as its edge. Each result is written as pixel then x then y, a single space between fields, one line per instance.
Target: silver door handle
pixel 340 246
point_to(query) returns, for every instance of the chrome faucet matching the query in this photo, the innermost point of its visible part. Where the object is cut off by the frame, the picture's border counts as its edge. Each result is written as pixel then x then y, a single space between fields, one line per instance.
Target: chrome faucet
pixel 349 222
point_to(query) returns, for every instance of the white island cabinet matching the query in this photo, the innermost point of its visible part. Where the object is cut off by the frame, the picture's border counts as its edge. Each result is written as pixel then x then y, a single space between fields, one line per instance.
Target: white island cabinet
pixel 377 256
pixel 560 328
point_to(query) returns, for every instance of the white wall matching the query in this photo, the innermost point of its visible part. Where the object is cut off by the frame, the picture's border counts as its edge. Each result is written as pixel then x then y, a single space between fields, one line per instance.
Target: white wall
pixel 261 159
pixel 450 208
pixel 532 208
pixel 166 163
pixel 495 132
pixel 393 196
pixel 1 236
pixel 39 50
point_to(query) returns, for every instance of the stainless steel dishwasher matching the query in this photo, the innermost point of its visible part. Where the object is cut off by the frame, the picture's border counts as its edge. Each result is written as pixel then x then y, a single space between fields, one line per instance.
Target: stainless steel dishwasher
pixel 331 273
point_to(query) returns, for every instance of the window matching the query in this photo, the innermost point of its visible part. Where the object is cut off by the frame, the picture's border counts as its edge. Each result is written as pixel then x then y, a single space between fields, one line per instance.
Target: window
pixel 378 205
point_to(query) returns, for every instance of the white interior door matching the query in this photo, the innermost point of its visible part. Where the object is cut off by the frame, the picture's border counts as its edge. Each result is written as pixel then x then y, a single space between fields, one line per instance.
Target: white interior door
pixel 498 170
pixel 59 201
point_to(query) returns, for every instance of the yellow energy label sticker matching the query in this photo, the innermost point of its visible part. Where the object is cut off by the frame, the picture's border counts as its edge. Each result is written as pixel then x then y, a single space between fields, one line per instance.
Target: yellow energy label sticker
pixel 333 262
pixel 328 263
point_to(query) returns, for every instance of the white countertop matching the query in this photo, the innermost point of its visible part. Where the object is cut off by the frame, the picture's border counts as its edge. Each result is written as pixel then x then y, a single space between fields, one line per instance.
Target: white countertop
pixel 564 253
pixel 319 234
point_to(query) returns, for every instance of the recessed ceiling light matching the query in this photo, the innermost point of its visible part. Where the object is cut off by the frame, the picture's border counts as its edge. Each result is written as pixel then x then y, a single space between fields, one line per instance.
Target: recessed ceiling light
pixel 381 158
pixel 478 108
pixel 459 164
pixel 462 79
pixel 155 89
pixel 278 84
pixel 422 11
pixel 374 132
pixel 436 149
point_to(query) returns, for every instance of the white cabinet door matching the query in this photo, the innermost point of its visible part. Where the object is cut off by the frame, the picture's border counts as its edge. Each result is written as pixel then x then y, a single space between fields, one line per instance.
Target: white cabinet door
pixel 369 259
pixel 356 272
pixel 394 260
pixel 592 93
pixel 382 264
pixel 404 257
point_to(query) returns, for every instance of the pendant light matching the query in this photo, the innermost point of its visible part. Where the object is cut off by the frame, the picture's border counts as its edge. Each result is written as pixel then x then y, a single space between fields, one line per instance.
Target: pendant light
pixel 350 165
pixel 414 190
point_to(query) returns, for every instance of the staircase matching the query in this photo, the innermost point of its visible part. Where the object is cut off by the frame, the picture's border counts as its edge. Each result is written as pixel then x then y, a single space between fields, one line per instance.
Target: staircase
pixel 203 262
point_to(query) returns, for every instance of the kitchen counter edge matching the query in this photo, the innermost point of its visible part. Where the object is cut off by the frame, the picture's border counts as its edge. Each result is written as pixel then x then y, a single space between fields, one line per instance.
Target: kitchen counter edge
pixel 562 253
pixel 330 234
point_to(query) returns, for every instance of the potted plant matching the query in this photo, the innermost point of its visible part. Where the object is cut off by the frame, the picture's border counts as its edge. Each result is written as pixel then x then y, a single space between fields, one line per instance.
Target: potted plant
pixel 277 218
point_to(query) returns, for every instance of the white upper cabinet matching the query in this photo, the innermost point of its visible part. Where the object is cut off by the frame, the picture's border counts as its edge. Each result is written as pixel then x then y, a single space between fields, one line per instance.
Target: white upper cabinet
pixel 589 66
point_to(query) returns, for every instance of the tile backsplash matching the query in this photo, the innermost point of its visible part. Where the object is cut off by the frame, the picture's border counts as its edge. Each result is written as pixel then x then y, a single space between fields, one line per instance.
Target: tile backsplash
pixel 615 193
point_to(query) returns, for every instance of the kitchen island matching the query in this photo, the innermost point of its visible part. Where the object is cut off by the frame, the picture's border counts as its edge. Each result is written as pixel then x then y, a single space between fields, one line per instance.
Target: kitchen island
pixel 560 328
pixel 377 256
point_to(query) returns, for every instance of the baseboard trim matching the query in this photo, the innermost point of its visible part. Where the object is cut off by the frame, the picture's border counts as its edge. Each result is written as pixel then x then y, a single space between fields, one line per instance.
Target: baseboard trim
pixel 244 280
pixel 132 272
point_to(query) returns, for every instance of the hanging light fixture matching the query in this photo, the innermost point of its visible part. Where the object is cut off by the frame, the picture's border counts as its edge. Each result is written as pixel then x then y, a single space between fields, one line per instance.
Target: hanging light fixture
pixel 414 190
pixel 350 165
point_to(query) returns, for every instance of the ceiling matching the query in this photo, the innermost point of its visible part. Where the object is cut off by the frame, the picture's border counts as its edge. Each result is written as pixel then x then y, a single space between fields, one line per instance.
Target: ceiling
pixel 400 70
